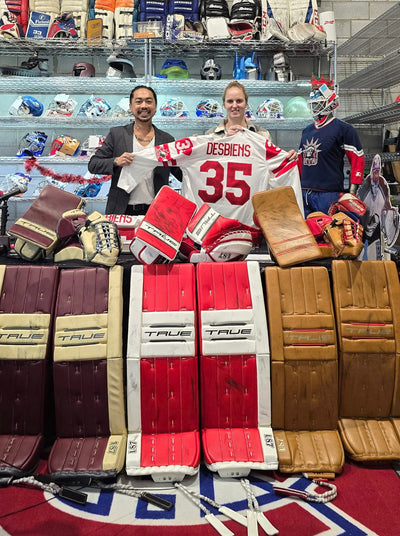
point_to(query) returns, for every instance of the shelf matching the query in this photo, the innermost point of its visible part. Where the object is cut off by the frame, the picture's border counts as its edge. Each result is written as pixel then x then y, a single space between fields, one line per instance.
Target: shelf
pixel 384 114
pixel 189 123
pixel 378 38
pixel 68 47
pixel 103 85
pixel 385 157
pixel 383 73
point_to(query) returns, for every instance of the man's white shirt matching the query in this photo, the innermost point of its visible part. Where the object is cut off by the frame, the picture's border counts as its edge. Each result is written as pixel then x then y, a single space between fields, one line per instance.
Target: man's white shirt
pixel 222 172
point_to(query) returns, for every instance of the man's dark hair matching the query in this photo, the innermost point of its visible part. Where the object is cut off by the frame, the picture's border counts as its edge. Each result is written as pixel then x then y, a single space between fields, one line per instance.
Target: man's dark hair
pixel 142 87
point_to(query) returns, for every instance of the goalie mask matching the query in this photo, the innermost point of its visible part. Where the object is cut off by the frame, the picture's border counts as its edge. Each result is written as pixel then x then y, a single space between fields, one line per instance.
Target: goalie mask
pixel 120 66
pixel 122 108
pixel 83 69
pixel 270 109
pixel 209 108
pixel 174 69
pixel 174 108
pixel 323 99
pixel 61 105
pixel 94 107
pixel 26 105
pixel 65 145
pixel 210 70
pixel 32 144
pixel 298 108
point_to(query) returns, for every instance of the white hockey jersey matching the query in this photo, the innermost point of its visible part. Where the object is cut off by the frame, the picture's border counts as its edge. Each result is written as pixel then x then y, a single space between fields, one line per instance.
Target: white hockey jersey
pixel 222 172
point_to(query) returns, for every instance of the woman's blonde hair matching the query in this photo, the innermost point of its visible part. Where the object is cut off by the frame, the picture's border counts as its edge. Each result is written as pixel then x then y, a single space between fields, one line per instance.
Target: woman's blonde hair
pixel 237 85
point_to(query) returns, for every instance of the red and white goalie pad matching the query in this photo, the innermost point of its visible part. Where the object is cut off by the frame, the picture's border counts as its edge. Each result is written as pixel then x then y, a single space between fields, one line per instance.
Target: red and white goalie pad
pixel 160 234
pixel 218 238
pixel 126 225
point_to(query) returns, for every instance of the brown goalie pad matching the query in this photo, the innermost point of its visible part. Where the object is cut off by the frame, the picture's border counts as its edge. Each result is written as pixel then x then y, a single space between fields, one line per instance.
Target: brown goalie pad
pixel 36 230
pixel 367 304
pixel 304 370
pixel 284 228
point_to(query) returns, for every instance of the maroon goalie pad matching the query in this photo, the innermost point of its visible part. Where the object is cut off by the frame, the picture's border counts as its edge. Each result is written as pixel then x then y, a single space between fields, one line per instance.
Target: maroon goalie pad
pixel 26 304
pixel 88 374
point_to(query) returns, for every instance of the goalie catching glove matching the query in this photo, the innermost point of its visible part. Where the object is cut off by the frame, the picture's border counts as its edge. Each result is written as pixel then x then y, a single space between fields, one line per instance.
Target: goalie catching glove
pixel 90 238
pixel 342 233
pixel 212 237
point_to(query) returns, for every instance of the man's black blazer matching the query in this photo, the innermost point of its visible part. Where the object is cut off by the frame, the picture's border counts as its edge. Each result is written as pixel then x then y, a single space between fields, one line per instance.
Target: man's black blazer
pixel 120 140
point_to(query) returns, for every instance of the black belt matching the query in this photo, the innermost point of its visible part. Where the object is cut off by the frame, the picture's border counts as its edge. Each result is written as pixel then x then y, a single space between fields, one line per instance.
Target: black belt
pixel 137 210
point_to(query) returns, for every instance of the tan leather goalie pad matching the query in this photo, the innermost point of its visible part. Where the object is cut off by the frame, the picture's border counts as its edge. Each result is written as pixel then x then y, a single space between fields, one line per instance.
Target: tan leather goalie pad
pixel 304 369
pixel 310 452
pixel 284 228
pixel 367 302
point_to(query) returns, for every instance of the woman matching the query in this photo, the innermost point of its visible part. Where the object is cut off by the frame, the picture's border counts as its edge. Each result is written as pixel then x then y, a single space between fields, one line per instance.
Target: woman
pixel 235 100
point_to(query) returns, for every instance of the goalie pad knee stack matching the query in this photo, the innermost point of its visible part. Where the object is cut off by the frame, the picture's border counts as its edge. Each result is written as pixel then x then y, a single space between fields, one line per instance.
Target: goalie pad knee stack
pixel 214 15
pixel 244 21
pixel 216 238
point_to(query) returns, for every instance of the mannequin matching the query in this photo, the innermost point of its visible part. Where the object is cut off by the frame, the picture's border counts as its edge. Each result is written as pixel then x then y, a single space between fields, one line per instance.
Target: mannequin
pixel 323 147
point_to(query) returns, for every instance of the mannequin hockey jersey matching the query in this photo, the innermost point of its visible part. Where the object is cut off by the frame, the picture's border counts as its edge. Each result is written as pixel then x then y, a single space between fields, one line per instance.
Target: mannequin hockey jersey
pixel 224 173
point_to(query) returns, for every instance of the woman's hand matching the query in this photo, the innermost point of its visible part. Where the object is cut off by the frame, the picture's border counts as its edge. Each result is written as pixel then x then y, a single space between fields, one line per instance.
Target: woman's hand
pixel 292 155
pixel 232 130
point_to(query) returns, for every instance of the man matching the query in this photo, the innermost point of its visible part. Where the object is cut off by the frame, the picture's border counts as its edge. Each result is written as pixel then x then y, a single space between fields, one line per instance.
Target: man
pixel 116 152
pixel 323 147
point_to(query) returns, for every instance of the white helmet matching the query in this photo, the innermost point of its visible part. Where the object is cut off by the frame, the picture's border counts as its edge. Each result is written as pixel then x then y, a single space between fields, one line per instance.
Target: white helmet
pixel 122 108
pixel 174 108
pixel 323 99
pixel 94 107
pixel 270 109
pixel 61 105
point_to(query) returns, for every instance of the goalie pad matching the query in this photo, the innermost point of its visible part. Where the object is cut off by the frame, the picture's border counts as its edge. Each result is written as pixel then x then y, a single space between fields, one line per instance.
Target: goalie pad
pixel 304 370
pixel 104 10
pixel 88 374
pixel 234 366
pixel 162 373
pixel 219 238
pixel 367 306
pixel 123 18
pixel 160 234
pixel 303 11
pixel 217 28
pixel 274 20
pixel 286 232
pixel 36 231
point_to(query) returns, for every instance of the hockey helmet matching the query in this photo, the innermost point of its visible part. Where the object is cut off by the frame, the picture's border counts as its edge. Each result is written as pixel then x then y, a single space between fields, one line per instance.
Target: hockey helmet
pixel 65 145
pixel 61 105
pixel 323 99
pixel 122 108
pixel 209 108
pixel 297 108
pixel 174 69
pixel 91 144
pixel 174 108
pixel 120 66
pixel 26 105
pixel 210 70
pixel 94 107
pixel 84 69
pixel 270 109
pixel 32 144
pixel 15 180
pixel 88 190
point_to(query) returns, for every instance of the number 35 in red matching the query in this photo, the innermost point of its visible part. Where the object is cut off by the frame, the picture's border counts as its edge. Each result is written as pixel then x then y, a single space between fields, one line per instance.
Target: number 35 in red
pixel 216 182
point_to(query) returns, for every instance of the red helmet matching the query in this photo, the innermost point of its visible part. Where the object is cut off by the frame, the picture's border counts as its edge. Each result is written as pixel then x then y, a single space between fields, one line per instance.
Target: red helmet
pixel 83 69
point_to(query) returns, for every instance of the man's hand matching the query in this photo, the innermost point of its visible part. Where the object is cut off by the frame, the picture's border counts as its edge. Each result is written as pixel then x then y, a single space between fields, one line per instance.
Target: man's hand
pixel 124 160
